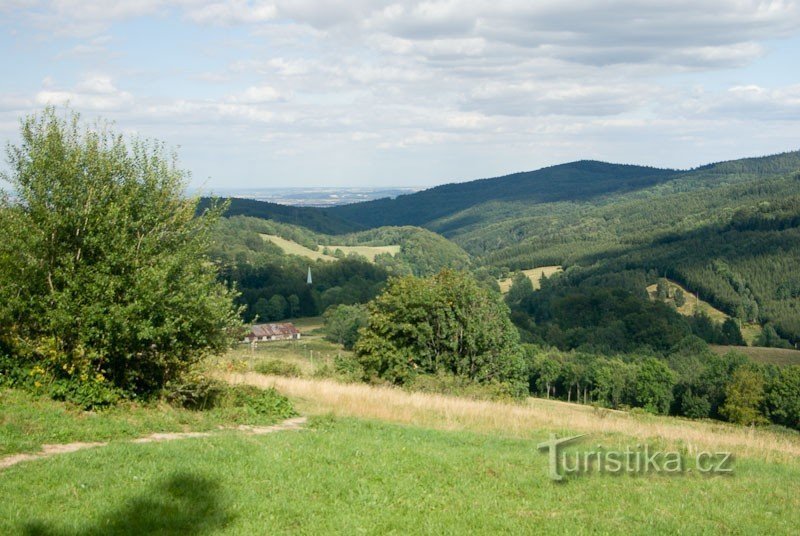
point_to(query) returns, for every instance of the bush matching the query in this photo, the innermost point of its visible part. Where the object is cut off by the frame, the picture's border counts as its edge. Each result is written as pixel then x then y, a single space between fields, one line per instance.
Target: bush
pixel 449 384
pixel 348 368
pixel 247 404
pixel 276 367
pixel 104 278
pixel 195 391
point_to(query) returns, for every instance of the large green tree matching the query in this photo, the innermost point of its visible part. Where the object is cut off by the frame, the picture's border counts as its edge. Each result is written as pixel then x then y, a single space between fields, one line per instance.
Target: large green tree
pixel 104 279
pixel 443 323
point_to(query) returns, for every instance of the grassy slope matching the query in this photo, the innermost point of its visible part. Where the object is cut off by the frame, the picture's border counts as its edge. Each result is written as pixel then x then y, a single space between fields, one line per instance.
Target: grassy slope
pixel 293 248
pixel 351 476
pixel 750 332
pixel 27 422
pixel 774 356
pixel 534 274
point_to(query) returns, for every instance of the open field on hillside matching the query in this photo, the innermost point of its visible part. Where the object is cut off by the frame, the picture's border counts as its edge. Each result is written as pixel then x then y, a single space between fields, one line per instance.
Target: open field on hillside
pixel 773 356
pixel 534 274
pixel 319 396
pixel 749 331
pixel 348 476
pixel 293 248
pixel 365 251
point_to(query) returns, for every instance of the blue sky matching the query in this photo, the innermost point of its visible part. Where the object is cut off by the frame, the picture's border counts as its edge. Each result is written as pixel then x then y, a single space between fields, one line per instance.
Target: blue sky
pixel 362 93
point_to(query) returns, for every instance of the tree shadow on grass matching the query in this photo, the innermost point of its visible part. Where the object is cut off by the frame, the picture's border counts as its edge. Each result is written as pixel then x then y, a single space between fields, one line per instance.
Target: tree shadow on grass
pixel 183 504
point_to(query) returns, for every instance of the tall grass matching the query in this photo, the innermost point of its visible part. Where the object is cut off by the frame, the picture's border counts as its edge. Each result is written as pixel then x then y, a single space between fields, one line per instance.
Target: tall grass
pixel 532 418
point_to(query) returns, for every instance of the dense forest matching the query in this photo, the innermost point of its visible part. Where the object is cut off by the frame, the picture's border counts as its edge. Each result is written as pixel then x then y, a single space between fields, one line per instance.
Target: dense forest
pixel 728 231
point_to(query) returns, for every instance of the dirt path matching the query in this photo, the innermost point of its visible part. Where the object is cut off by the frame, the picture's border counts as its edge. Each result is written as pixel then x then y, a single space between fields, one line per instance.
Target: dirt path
pixel 64 448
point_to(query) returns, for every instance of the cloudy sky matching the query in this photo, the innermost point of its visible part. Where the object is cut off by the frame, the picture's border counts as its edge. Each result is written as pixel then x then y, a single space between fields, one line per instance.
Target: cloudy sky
pixel 318 93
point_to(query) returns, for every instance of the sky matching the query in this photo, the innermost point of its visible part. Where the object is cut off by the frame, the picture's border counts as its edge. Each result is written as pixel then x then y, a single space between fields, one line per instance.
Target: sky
pixel 383 93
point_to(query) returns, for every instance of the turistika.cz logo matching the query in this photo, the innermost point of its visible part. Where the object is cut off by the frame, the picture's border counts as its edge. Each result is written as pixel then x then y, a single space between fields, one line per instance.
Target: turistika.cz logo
pixel 631 461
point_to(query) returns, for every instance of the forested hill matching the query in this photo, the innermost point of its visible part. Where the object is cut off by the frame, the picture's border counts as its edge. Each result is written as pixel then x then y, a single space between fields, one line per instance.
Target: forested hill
pixel 575 181
pixel 585 181
pixel 309 217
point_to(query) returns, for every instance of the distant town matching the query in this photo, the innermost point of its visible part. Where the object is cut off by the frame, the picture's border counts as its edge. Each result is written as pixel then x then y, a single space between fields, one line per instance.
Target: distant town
pixel 314 197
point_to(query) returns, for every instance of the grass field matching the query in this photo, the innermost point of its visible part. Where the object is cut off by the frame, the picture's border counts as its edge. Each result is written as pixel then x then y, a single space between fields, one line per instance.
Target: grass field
pixel 347 475
pixel 376 460
pixel 293 248
pixel 773 356
pixel 534 274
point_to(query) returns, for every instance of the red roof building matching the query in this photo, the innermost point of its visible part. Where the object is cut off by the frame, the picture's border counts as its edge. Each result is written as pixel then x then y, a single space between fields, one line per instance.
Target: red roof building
pixel 272 332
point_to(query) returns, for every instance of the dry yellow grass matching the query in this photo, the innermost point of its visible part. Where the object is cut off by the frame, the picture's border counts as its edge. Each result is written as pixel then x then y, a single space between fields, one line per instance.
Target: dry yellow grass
pixel 293 248
pixel 316 396
pixel 534 274
pixel 366 251
pixel 749 331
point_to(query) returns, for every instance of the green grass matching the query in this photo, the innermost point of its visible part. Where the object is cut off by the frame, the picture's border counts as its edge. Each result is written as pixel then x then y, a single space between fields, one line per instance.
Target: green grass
pixel 351 477
pixel 27 421
pixel 308 354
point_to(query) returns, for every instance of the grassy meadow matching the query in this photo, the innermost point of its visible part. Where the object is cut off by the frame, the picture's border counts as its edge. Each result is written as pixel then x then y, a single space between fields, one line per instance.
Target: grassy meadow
pixel 346 475
pixel 534 274
pixel 378 460
pixel 772 356
pixel 293 248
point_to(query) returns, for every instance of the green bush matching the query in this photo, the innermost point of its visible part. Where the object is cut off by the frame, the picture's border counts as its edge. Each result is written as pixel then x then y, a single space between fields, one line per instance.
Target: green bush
pixel 348 368
pixel 276 367
pixel 247 404
pixel 452 385
pixel 195 391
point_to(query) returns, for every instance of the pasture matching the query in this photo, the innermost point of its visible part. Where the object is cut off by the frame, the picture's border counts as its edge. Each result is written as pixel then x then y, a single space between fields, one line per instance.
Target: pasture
pixel 293 248
pixel 534 274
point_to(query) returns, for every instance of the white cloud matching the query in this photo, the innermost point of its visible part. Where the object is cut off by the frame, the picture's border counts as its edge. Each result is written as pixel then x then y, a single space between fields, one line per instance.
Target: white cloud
pixel 233 12
pixel 507 77
pixel 96 92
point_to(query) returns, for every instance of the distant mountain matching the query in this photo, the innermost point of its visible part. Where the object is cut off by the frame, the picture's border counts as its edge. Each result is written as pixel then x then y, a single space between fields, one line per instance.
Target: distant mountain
pixel 311 218
pixel 583 180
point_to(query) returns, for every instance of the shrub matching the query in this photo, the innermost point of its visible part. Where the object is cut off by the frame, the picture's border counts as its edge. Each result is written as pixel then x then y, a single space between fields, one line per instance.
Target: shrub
pixel 248 404
pixel 195 391
pixel 104 279
pixel 449 384
pixel 276 367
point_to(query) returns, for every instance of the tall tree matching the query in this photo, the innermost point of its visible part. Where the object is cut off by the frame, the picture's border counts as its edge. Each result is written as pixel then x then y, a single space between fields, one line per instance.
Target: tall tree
pixel 444 323
pixel 104 277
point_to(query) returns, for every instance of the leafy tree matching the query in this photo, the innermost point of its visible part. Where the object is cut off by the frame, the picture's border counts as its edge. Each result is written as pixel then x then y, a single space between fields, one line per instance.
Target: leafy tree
pixel 545 370
pixel 521 288
pixel 731 334
pixel 276 308
pixel 104 278
pixel 679 297
pixel 444 323
pixel 294 305
pixel 744 396
pixel 783 397
pixel 769 337
pixel 662 289
pixel 342 323
pixel 653 386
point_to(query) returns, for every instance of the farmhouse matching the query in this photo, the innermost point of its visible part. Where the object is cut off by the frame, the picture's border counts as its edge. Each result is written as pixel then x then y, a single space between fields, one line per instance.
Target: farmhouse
pixel 272 332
